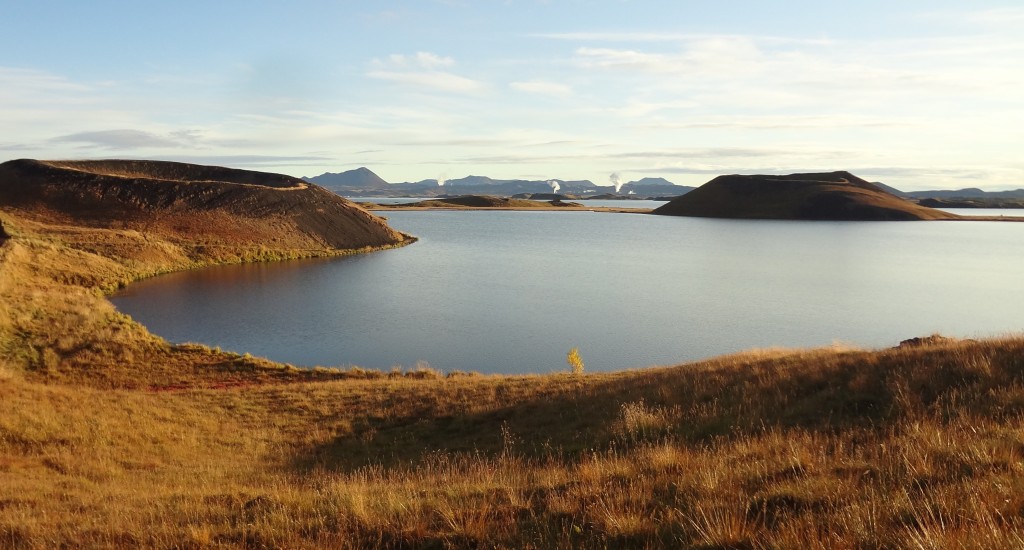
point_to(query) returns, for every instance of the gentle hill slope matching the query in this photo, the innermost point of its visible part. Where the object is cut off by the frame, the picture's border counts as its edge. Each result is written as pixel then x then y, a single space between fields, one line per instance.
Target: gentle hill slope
pixel 820 196
pixel 207 204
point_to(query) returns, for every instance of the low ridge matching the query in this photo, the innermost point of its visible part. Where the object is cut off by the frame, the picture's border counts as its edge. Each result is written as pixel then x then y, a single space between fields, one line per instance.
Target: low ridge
pixel 815 196
pixel 489 201
pixel 210 205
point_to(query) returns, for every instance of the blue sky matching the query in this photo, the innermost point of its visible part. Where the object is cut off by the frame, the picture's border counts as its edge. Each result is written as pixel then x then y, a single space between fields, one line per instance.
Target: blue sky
pixel 916 94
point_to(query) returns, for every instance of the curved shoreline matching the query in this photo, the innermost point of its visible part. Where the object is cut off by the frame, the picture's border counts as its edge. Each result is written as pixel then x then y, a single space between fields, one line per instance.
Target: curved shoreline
pixel 235 452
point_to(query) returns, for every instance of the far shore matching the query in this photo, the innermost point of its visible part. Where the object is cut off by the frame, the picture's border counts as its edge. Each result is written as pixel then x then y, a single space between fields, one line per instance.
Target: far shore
pixel 540 207
pixel 372 206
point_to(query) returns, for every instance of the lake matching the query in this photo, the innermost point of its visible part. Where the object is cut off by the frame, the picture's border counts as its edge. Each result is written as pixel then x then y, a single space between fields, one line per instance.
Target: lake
pixel 512 292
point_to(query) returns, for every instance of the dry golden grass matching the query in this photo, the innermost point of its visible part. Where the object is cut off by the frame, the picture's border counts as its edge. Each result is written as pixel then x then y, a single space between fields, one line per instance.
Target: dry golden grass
pixel 109 437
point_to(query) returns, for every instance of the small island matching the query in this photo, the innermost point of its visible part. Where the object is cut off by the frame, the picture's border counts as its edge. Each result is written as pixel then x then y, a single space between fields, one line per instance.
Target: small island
pixel 839 196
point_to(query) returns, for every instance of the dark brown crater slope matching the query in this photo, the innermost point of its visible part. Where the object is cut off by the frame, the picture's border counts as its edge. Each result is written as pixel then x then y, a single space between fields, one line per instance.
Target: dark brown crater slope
pixel 203 204
pixel 822 196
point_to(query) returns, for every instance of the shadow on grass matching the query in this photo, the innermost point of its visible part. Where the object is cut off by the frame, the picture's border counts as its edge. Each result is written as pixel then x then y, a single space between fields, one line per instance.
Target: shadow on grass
pixel 695 404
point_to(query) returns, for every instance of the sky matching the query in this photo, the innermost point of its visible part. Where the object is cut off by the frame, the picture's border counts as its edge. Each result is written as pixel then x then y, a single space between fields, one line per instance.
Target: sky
pixel 916 94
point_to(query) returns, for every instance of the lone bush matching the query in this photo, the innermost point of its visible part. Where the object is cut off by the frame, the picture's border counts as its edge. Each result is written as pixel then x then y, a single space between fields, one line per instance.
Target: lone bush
pixel 574 360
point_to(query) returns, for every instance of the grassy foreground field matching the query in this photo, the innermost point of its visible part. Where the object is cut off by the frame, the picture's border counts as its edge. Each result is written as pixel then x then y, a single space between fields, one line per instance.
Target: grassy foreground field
pixel 110 437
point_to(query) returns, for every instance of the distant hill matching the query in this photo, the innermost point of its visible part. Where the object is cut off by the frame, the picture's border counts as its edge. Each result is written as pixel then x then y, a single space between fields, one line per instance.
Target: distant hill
pixel 650 181
pixel 889 189
pixel 358 178
pixel 205 205
pixel 654 187
pixel 820 196
pixel 968 193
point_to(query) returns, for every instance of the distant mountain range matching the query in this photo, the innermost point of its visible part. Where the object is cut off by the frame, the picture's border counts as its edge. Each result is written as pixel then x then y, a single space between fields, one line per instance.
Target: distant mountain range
pixel 966 193
pixel 363 182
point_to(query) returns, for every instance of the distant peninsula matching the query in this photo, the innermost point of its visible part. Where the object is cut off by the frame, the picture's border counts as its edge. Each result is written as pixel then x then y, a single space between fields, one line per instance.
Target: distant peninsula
pixel 813 196
pixel 488 201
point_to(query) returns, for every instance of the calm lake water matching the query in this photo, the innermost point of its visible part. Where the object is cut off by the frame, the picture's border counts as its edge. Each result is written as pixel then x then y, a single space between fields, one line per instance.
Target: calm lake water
pixel 512 292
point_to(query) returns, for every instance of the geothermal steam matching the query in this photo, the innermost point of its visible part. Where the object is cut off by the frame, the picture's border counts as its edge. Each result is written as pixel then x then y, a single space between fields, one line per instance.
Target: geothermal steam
pixel 554 186
pixel 616 181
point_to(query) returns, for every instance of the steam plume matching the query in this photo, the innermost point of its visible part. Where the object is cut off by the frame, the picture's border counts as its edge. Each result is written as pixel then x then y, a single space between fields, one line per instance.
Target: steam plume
pixel 554 186
pixel 441 180
pixel 616 181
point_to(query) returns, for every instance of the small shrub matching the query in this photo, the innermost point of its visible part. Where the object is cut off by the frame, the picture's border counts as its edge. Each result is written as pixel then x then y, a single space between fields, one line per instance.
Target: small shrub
pixel 575 361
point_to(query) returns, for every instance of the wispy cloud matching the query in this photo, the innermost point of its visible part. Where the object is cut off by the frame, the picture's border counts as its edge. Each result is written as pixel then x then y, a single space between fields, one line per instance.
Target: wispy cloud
pixel 784 122
pixel 422 70
pixel 1007 17
pixel 15 147
pixel 743 73
pixel 19 85
pixel 125 139
pixel 543 88
pixel 613 36
pixel 424 60
pixel 610 58
pixel 436 80
pixel 253 160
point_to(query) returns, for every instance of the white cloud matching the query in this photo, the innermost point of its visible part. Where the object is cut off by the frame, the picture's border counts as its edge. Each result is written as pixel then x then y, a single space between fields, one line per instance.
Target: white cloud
pixel 543 88
pixel 437 80
pixel 422 70
pixel 131 139
pixel 26 85
pixel 671 37
pixel 609 58
pixel 424 60
pixel 995 17
pixel 786 122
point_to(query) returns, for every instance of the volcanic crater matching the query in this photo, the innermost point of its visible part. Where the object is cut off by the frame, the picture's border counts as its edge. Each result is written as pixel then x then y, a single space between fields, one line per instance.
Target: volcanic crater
pixel 211 205
pixel 837 196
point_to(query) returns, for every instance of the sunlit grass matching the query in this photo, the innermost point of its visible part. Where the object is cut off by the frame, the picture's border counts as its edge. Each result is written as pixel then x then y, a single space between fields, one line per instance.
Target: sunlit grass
pixel 110 437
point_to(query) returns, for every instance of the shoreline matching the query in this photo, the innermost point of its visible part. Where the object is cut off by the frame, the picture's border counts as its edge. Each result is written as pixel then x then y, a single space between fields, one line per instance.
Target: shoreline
pixel 235 451
pixel 374 207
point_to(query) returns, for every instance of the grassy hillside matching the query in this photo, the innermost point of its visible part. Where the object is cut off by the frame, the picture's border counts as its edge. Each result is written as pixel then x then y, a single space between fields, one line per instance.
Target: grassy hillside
pixel 191 205
pixel 110 437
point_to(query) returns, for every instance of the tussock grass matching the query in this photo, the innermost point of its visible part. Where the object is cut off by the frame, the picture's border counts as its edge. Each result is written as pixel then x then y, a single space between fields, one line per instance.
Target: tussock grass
pixel 110 437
